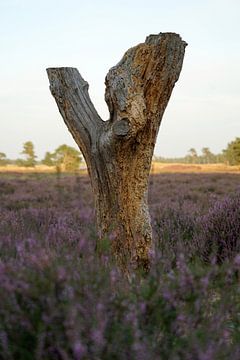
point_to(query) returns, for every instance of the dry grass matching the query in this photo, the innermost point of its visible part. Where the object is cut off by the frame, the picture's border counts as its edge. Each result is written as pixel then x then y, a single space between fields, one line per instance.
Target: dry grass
pixel 23 169
pixel 37 169
pixel 156 168
pixel 192 168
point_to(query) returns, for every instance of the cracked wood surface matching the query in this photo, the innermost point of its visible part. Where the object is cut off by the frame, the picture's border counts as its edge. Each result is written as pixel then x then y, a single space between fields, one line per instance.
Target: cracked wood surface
pixel 118 152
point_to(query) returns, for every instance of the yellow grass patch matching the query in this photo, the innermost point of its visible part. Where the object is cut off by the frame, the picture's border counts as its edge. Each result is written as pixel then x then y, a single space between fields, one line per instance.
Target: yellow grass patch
pixel 155 169
pixel 192 168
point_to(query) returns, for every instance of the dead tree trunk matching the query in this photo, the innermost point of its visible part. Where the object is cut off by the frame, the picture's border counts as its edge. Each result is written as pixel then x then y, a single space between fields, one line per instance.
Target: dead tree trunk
pixel 118 152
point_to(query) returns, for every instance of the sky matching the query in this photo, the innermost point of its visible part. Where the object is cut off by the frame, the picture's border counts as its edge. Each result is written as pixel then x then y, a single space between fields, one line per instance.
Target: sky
pixel 203 110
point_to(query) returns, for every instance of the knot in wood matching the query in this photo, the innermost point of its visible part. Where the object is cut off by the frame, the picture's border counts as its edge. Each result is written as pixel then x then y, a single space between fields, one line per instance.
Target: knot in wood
pixel 121 127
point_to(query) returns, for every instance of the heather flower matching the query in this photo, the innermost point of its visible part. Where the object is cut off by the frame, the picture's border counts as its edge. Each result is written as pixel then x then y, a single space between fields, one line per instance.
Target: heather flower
pixel 97 338
pixel 237 260
pixel 79 350
pixel 61 299
pixel 219 230
pixel 142 307
pixel 113 275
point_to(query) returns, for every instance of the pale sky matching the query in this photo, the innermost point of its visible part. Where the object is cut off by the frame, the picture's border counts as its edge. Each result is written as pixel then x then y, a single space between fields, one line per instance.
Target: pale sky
pixel 204 108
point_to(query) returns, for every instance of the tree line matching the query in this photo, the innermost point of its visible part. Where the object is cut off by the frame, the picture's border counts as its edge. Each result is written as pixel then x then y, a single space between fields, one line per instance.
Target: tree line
pixel 64 157
pixel 229 156
pixel 68 158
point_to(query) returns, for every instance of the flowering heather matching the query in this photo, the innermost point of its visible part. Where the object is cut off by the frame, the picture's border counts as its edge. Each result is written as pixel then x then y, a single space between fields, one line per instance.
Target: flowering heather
pixel 61 298
pixel 220 229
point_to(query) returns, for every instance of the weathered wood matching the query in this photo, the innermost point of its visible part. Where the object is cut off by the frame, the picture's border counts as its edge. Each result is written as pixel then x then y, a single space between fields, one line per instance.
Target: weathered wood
pixel 118 152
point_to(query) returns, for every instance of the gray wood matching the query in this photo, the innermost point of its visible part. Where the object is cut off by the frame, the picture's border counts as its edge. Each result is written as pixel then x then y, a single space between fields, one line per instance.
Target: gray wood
pixel 118 152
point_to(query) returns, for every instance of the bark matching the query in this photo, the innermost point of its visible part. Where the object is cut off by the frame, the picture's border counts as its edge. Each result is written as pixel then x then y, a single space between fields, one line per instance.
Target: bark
pixel 118 152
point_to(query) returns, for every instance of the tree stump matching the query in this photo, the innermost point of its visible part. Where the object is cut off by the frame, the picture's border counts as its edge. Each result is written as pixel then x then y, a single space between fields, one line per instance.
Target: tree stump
pixel 118 152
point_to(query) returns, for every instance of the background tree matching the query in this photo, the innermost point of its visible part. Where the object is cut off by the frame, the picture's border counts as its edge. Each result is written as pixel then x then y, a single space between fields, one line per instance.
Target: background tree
pixel 192 155
pixel 232 152
pixel 49 159
pixel 118 152
pixel 208 156
pixel 28 151
pixel 67 157
pixel 3 159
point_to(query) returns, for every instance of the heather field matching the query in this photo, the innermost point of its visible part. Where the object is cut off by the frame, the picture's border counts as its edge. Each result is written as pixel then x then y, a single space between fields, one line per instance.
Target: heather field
pixel 60 298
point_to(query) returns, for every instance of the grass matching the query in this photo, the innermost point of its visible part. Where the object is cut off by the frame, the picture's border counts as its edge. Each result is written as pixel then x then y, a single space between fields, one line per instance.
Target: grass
pixel 156 168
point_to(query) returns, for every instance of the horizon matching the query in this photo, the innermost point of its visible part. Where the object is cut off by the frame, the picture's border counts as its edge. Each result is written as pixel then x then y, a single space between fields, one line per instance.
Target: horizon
pixel 39 159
